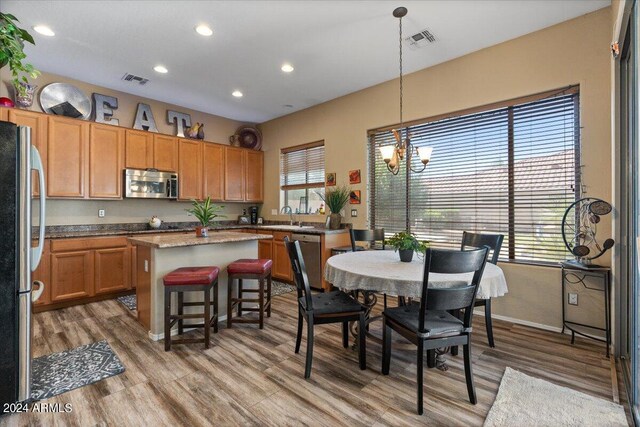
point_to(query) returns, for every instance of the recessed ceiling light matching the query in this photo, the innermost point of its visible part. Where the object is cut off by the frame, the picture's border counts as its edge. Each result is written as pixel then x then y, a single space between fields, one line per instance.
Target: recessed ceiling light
pixel 44 30
pixel 160 69
pixel 237 94
pixel 204 30
pixel 287 68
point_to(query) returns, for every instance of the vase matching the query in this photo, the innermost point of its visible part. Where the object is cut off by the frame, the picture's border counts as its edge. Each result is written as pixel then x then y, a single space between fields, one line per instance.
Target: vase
pixel 406 255
pixel 202 231
pixel 24 94
pixel 334 221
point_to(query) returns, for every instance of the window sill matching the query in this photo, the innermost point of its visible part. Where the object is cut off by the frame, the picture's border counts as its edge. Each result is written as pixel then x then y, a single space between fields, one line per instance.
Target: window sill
pixel 547 264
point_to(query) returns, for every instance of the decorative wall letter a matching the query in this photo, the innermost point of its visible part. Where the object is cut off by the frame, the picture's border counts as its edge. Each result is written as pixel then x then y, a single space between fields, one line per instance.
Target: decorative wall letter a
pixel 104 106
pixel 144 119
pixel 181 120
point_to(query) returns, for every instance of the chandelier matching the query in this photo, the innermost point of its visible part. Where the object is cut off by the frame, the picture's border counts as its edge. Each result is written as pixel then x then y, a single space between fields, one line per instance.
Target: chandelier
pixel 394 154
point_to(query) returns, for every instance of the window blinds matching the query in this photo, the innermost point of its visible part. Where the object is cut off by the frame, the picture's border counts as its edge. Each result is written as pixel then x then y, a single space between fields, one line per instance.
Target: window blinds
pixel 511 170
pixel 302 166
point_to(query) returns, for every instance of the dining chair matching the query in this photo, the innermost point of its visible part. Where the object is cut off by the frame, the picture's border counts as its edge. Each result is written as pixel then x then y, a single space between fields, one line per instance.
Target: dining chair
pixel 359 235
pixel 494 243
pixel 328 307
pixel 429 325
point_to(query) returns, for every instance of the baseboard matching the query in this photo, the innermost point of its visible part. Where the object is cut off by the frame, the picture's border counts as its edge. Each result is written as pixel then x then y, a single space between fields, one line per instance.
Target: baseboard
pixel 520 321
pixel 158 337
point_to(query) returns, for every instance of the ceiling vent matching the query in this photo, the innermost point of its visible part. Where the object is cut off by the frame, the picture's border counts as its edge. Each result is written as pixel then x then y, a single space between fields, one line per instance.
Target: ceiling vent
pixel 134 79
pixel 420 39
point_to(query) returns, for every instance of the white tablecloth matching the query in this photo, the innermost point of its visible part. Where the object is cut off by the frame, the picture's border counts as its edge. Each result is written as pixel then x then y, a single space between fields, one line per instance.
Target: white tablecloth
pixel 382 271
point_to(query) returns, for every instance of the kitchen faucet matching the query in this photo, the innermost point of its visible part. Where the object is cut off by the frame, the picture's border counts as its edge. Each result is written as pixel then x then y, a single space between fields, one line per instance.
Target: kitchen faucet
pixel 287 209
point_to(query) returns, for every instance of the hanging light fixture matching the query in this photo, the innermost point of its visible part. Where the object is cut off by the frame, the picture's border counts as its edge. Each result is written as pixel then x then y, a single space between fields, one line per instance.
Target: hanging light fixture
pixel 394 154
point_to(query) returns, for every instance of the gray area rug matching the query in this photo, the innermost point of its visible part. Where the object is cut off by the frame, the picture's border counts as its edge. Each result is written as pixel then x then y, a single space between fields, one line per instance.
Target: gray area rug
pixel 526 401
pixel 280 288
pixel 129 301
pixel 58 373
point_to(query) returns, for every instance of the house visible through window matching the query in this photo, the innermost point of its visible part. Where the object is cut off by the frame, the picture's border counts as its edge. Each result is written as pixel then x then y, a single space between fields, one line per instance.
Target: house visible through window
pixel 511 169
pixel 302 177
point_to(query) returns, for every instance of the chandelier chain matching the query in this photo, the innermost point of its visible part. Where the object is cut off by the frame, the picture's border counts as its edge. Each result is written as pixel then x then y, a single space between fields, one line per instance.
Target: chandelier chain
pixel 401 88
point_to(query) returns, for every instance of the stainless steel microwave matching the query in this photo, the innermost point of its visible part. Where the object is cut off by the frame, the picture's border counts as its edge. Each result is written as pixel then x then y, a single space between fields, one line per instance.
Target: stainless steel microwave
pixel 150 184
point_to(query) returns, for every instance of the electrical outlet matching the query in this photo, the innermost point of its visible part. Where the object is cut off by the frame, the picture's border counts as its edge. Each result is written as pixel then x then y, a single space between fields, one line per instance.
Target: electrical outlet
pixel 573 299
pixel 101 213
pixel 274 211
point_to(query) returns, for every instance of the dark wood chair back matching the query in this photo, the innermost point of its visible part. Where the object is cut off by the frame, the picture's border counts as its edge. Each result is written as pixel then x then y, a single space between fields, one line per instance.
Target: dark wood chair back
pixel 476 240
pixel 375 235
pixel 299 272
pixel 452 262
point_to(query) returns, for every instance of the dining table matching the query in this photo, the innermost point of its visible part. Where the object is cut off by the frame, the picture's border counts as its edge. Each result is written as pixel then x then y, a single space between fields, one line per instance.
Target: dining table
pixel 374 272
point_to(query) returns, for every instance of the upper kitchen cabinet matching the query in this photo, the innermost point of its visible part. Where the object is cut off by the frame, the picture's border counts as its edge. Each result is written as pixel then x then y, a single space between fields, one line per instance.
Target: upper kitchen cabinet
pixel 254 166
pixel 139 149
pixel 67 151
pixel 165 153
pixel 213 171
pixel 234 174
pixel 38 124
pixel 190 169
pixel 106 161
pixel 4 114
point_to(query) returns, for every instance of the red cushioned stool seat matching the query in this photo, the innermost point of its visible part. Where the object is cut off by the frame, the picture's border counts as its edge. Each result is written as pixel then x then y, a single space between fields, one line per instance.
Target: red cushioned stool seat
pixel 250 266
pixel 191 276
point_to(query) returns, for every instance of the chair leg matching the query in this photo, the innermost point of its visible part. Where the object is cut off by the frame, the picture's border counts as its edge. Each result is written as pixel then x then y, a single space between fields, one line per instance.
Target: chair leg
pixel 215 307
pixel 207 318
pixel 345 334
pixel 488 322
pixel 420 363
pixel 454 348
pixel 386 348
pixel 431 359
pixel 307 367
pixel 362 341
pixel 269 295
pixel 468 372
pixel 167 321
pixel 261 302
pixel 299 334
pixel 180 312
pixel 385 301
pixel 240 296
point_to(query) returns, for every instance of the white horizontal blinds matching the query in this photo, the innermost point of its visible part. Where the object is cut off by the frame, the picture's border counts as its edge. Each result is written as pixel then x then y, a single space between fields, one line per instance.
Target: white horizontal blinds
pixel 546 149
pixel 302 166
pixel 388 194
pixel 508 170
pixel 465 186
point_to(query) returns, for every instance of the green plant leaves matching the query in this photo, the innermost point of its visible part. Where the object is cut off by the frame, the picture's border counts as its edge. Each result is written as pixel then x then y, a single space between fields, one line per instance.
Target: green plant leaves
pixel 12 40
pixel 405 240
pixel 337 198
pixel 205 211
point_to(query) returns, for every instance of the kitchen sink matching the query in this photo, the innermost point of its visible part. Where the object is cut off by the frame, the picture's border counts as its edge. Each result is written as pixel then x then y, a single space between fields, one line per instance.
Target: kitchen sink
pixel 285 227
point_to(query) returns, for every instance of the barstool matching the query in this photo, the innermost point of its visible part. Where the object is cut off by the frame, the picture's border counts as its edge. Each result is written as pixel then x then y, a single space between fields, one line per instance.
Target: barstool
pixel 190 279
pixel 257 269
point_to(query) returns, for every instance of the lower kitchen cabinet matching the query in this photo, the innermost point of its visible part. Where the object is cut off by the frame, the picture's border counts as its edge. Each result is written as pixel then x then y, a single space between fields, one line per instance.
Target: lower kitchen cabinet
pixel 71 275
pixel 112 270
pixel 281 268
pixel 265 249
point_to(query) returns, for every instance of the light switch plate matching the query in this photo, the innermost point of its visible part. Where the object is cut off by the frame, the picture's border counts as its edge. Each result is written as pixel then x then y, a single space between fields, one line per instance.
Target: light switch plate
pixel 101 213
pixel 146 266
pixel 573 299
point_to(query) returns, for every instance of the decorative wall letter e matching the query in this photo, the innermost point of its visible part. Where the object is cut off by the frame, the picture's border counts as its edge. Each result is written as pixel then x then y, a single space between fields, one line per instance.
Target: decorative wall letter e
pixel 104 106
pixel 181 120
pixel 144 119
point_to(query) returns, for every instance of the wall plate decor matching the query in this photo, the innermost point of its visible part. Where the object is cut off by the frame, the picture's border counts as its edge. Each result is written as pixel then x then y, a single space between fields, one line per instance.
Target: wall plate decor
pixel 247 137
pixel 354 176
pixel 67 98
pixel 330 180
pixel 354 197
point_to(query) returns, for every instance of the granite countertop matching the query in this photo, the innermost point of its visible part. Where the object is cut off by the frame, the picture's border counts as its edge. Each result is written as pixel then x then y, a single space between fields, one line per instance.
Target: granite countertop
pixel 79 231
pixel 164 241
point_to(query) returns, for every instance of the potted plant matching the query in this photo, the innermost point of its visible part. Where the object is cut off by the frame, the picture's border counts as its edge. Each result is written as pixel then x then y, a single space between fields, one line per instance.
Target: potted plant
pixel 12 40
pixel 336 200
pixel 205 212
pixel 406 244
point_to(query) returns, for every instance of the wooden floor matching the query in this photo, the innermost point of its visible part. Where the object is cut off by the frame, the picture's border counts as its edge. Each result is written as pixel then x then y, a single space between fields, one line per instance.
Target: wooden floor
pixel 253 377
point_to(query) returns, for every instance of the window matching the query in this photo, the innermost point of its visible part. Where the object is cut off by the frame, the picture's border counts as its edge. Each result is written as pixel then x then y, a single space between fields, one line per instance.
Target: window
pixel 302 177
pixel 511 169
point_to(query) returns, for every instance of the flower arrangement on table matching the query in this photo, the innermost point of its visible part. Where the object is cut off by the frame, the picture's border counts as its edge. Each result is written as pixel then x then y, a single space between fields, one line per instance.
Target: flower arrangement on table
pixel 406 244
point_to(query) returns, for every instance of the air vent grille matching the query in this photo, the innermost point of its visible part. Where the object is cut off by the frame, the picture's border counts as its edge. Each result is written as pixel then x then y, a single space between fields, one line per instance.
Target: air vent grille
pixel 422 38
pixel 128 77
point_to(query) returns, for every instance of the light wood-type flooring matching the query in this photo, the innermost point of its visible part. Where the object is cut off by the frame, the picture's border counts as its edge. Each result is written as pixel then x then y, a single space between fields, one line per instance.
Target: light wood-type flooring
pixel 252 377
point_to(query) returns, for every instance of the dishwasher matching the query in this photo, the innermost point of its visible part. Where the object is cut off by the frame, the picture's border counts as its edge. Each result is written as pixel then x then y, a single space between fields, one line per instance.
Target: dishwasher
pixel 310 247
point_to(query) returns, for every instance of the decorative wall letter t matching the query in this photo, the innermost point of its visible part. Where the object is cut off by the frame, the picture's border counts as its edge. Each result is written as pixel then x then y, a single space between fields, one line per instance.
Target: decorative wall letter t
pixel 104 106
pixel 144 119
pixel 181 120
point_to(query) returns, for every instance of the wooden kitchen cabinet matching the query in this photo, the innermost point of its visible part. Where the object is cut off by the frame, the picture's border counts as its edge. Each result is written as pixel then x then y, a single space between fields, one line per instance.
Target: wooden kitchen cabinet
pixel 67 155
pixel 139 149
pixel 165 153
pixel 106 161
pixel 234 174
pixel 112 269
pixel 72 275
pixel 253 175
pixel 4 114
pixel 134 260
pixel 190 169
pixel 265 249
pixel 213 171
pixel 281 268
pixel 38 124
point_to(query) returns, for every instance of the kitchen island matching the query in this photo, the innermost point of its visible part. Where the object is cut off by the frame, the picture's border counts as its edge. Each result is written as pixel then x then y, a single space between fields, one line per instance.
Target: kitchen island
pixel 160 254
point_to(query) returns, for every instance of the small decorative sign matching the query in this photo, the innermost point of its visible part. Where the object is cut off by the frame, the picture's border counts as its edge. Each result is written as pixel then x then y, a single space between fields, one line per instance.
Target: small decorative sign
pixel 330 179
pixel 354 197
pixel 181 120
pixel 354 176
pixel 144 118
pixel 103 107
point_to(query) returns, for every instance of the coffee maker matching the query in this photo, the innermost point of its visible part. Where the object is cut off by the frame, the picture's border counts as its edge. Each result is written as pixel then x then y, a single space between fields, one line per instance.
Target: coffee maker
pixel 253 214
